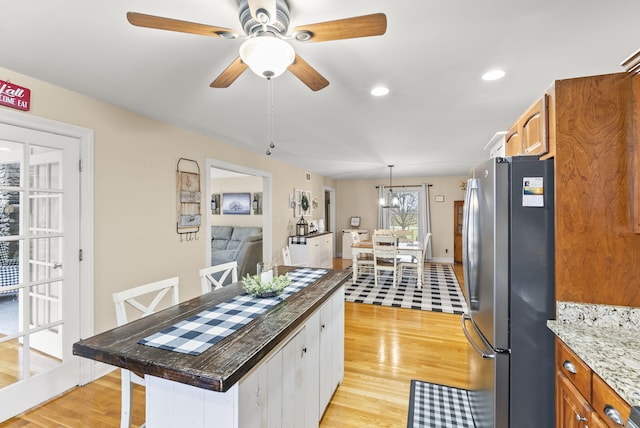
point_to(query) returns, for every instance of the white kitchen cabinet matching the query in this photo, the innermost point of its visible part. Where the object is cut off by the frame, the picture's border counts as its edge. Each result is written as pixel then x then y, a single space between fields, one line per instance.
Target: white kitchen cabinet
pixel 282 391
pixel 331 349
pixel 347 240
pixel 312 250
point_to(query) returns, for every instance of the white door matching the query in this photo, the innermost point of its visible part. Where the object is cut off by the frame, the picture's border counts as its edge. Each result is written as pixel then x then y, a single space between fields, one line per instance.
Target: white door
pixel 39 266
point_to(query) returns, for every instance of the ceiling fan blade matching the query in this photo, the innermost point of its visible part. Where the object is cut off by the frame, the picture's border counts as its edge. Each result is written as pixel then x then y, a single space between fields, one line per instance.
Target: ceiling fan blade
pixel 263 11
pixel 160 23
pixel 348 28
pixel 230 74
pixel 307 74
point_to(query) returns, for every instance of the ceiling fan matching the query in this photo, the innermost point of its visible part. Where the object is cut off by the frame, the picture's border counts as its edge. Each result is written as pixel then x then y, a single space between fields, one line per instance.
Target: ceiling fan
pixel 266 50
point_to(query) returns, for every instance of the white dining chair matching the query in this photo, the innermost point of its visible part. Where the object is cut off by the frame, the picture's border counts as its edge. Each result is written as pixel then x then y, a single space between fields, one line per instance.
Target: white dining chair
pixel 286 257
pixel 385 256
pixel 411 262
pixel 135 298
pixel 365 261
pixel 208 282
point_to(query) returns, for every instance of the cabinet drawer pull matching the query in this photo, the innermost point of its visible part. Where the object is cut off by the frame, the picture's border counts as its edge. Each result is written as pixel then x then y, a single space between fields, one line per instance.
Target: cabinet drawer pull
pixel 613 414
pixel 568 366
pixel 580 418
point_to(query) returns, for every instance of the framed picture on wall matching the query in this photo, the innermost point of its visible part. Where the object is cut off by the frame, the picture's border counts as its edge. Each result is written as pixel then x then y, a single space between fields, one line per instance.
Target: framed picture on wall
pixel 236 203
pixel 303 202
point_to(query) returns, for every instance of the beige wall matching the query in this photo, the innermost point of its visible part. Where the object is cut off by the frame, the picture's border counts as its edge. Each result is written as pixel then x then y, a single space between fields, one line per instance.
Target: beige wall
pixel 135 238
pixel 360 198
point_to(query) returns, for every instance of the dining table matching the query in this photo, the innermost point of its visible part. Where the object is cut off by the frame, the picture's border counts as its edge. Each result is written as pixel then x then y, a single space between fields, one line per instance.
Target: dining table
pixel 415 249
pixel 222 382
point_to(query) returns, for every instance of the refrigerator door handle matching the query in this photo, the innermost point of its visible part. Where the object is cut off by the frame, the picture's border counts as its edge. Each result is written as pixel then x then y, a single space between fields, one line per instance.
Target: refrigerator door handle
pixel 488 351
pixel 471 242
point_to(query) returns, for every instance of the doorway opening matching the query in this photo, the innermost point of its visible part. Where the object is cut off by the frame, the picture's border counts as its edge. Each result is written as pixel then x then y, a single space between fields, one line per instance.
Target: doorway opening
pixel 260 193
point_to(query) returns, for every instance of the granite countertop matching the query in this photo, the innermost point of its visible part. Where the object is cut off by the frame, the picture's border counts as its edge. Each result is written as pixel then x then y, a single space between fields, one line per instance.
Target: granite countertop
pixel 607 339
pixel 223 364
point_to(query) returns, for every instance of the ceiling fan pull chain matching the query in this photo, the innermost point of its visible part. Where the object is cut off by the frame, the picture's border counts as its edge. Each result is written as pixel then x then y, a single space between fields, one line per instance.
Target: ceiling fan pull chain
pixel 270 116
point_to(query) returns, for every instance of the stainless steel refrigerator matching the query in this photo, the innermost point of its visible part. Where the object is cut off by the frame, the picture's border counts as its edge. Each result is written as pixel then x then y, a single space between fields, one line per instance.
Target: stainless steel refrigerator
pixel 508 261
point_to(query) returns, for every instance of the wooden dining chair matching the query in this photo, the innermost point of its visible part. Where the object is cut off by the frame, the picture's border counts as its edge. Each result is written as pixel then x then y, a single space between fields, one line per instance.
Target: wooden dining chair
pixel 136 299
pixel 385 256
pixel 214 277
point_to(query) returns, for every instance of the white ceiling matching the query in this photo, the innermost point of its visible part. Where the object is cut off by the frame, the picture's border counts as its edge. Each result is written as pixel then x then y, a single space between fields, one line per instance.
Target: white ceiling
pixel 436 120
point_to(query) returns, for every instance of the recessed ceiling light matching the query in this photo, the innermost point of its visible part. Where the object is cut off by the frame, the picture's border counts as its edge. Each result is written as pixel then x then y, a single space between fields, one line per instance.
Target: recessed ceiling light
pixel 379 91
pixel 493 75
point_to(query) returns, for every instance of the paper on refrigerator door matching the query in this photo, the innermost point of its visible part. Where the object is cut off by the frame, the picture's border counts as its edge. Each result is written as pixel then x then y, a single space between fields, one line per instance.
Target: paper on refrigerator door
pixel 533 192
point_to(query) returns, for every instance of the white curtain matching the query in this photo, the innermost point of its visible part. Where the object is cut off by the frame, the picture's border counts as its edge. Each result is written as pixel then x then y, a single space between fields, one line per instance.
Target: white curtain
pixel 424 219
pixel 383 215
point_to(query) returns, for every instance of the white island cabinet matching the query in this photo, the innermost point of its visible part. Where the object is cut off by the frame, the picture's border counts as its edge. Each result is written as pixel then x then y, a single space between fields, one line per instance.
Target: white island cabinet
pixel 313 250
pixel 291 387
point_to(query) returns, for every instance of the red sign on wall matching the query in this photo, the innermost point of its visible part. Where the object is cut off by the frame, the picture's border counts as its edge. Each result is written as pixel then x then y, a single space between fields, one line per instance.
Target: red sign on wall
pixel 15 96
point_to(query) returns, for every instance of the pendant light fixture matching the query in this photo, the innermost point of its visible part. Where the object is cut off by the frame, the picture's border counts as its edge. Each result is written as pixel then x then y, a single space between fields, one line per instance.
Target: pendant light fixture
pixel 392 200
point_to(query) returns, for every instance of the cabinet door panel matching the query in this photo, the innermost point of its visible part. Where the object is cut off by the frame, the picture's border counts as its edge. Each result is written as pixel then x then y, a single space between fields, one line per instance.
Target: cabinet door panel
pixel 534 128
pixel 293 360
pixel 252 411
pixel 512 141
pixel 274 391
pixel 572 410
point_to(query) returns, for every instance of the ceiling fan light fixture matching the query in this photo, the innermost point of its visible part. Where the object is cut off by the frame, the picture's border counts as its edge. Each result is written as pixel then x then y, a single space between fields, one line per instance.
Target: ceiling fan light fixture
pixel 267 56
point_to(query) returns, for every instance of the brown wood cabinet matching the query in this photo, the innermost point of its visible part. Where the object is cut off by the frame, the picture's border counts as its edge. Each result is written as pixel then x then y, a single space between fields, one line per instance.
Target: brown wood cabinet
pixel 583 399
pixel 528 136
pixel 512 143
pixel 458 213
pixel 635 139
pixel 594 138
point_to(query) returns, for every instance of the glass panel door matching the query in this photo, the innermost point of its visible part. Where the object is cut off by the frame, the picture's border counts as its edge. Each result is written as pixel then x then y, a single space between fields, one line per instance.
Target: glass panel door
pixel 39 286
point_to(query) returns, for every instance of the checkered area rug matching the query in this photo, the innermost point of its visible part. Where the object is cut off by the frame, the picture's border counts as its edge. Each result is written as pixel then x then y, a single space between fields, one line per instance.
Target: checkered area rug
pixel 438 406
pixel 440 291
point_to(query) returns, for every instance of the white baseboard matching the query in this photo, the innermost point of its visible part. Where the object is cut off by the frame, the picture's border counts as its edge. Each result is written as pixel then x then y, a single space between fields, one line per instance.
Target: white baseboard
pixel 448 260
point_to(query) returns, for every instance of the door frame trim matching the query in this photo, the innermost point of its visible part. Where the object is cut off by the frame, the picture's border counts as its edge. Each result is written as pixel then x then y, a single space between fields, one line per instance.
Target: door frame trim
pixel 85 139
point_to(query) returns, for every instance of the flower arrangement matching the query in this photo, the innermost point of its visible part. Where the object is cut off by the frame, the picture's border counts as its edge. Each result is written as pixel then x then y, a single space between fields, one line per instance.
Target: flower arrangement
pixel 255 287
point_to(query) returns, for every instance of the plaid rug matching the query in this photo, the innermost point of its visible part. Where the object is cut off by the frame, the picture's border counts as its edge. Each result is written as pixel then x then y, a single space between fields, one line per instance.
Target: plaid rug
pixel 440 291
pixel 438 406
pixel 198 333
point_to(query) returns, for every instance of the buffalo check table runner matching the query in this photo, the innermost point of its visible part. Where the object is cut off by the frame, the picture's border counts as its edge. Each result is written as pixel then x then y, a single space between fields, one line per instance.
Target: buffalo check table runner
pixel 198 333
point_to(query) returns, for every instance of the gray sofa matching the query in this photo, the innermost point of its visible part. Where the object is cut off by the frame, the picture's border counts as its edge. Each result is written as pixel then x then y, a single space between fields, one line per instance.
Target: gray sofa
pixel 240 243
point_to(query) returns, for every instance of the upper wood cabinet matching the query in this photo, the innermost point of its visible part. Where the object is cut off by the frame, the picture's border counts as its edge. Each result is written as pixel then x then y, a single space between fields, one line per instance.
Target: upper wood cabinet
pixel 529 136
pixel 512 141
pixel 634 130
pixel 534 124
pixel 594 128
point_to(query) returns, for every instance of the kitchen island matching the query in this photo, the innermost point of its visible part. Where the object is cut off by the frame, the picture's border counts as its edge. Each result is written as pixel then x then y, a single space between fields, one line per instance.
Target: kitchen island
pixel 282 367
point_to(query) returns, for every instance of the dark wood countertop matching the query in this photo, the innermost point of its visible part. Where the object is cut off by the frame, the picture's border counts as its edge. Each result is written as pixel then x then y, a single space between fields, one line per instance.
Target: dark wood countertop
pixel 222 365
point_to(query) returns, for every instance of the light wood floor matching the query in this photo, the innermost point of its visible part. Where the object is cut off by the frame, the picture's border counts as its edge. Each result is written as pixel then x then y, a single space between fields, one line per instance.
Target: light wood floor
pixel 384 349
